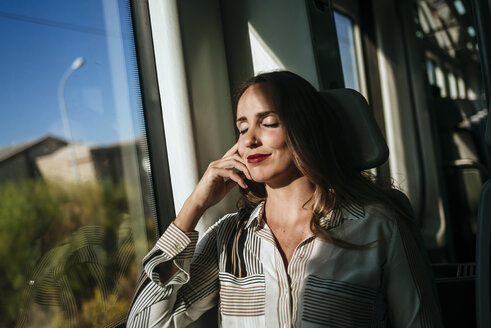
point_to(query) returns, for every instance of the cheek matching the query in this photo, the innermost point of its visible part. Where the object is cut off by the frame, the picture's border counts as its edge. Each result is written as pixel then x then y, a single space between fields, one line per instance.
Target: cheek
pixel 241 146
pixel 276 140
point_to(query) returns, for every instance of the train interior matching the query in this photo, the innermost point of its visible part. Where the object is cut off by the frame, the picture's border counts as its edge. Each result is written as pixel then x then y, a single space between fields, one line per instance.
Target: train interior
pixel 420 65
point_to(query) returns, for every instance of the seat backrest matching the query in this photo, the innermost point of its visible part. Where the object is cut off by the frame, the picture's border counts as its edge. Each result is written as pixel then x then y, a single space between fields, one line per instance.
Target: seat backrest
pixel 464 171
pixel 366 142
pixel 362 135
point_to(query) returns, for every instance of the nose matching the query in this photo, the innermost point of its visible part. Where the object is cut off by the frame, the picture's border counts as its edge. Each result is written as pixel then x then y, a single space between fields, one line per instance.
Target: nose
pixel 251 138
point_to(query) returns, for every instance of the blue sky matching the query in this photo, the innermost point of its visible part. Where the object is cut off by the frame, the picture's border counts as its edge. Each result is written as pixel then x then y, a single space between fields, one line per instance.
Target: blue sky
pixel 40 40
pixel 344 28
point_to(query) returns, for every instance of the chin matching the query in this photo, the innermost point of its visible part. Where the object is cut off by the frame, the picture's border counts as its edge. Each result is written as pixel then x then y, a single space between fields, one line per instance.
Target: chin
pixel 276 177
pixel 259 179
pixel 260 175
pixel 269 179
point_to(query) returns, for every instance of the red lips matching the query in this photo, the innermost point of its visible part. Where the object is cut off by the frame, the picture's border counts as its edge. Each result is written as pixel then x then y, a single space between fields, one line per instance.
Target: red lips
pixel 256 158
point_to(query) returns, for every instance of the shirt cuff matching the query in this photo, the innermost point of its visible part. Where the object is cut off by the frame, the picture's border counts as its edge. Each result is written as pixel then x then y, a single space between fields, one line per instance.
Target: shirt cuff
pixel 178 244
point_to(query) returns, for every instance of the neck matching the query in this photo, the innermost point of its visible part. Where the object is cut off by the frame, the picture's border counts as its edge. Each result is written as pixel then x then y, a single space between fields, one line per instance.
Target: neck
pixel 290 202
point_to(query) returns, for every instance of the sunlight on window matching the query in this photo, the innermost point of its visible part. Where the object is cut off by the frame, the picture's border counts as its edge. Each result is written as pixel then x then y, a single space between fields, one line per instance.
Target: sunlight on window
pixel 78 210
pixel 440 81
pixel 471 94
pixel 452 83
pixel 263 58
pixel 344 30
pixel 430 70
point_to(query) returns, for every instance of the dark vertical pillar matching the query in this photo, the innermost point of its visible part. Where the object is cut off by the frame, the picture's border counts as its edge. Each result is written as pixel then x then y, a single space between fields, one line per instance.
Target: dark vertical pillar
pixel 325 44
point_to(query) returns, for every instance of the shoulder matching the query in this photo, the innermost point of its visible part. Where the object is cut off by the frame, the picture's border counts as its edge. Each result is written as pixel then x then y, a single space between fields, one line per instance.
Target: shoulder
pixel 374 214
pixel 395 229
pixel 367 223
pixel 380 214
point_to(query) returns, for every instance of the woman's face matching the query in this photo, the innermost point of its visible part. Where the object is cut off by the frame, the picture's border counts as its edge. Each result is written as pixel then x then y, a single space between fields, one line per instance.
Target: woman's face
pixel 262 139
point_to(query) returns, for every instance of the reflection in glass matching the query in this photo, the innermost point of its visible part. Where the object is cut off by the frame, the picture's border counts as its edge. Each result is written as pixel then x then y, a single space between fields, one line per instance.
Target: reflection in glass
pixel 344 30
pixel 77 211
pixel 430 70
pixel 452 85
pixel 440 81
pixel 77 63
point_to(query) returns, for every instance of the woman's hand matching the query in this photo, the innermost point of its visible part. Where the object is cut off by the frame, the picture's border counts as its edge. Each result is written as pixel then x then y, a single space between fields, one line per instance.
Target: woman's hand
pixel 219 178
pixel 213 186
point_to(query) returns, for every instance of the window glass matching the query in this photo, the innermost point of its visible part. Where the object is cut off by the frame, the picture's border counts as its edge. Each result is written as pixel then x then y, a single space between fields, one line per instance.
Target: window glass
pixel 77 211
pixel 430 70
pixel 452 84
pixel 344 30
pixel 440 81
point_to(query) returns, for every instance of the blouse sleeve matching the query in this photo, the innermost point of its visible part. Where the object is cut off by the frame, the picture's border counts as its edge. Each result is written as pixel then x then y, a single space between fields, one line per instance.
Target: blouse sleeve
pixel 411 295
pixel 190 292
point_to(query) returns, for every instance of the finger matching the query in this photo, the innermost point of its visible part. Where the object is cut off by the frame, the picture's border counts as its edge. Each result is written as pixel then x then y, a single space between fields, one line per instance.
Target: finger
pixel 241 160
pixel 229 163
pixel 233 176
pixel 232 150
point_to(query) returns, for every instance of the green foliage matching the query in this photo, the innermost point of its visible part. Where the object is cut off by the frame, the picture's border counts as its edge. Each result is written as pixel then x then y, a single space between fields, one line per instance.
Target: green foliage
pixel 46 223
pixel 98 312
pixel 26 213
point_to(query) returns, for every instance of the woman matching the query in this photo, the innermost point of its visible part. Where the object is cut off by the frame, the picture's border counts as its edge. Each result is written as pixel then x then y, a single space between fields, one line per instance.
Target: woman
pixel 315 243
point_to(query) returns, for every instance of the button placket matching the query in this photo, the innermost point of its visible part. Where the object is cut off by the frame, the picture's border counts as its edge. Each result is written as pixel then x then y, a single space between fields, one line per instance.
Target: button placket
pixel 296 272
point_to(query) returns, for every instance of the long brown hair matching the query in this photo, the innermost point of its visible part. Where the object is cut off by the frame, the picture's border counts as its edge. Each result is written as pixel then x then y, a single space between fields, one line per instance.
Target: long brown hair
pixel 318 151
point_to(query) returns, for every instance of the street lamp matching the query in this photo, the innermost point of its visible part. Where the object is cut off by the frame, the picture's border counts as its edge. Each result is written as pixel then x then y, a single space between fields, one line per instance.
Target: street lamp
pixel 77 63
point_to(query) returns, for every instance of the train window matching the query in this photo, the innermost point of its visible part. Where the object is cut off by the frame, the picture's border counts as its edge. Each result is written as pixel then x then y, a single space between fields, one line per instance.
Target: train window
pixel 347 49
pixel 430 70
pixel 77 211
pixel 440 81
pixel 471 94
pixel 452 84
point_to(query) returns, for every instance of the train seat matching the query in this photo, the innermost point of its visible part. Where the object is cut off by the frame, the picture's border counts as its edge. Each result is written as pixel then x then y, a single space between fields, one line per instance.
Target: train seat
pixel 463 171
pixel 475 114
pixel 453 281
pixel 365 141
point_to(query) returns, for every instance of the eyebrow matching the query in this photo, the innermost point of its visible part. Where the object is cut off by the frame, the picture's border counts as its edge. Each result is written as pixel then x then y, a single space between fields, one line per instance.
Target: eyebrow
pixel 259 115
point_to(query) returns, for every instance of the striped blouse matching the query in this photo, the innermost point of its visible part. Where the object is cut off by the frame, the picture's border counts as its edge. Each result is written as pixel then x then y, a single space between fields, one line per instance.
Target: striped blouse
pixel 324 285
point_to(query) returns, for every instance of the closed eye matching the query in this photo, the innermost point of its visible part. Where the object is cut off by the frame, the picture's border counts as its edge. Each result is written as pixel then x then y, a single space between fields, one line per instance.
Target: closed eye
pixel 274 125
pixel 243 131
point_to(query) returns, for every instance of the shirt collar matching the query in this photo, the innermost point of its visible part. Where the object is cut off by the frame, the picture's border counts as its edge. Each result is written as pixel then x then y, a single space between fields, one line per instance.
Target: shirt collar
pixel 256 215
pixel 345 211
pixel 352 211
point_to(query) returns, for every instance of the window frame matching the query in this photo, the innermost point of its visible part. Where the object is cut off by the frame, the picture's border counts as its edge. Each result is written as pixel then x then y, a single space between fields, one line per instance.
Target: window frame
pixel 350 10
pixel 152 111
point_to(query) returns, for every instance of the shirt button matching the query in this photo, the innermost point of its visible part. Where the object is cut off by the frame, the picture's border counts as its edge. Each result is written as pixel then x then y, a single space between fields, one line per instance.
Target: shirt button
pixel 178 247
